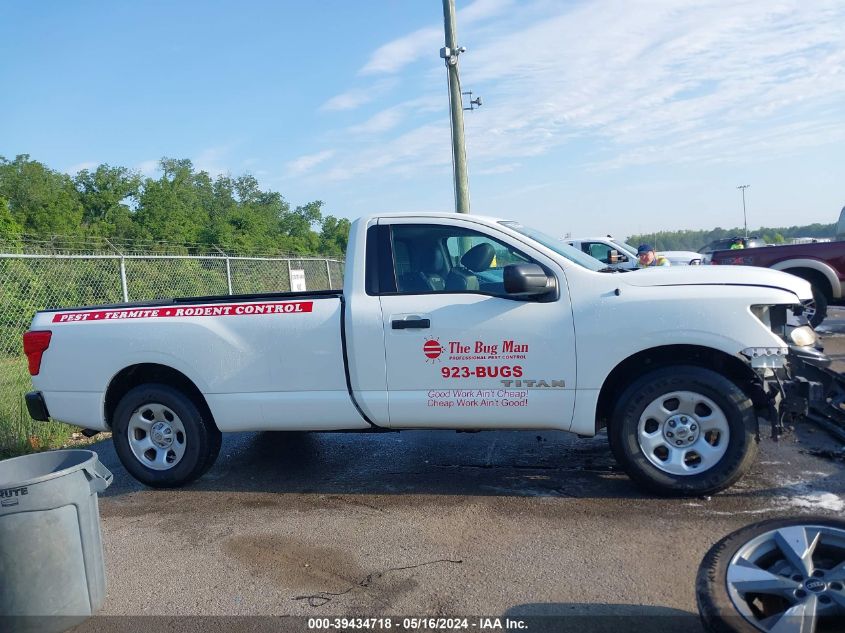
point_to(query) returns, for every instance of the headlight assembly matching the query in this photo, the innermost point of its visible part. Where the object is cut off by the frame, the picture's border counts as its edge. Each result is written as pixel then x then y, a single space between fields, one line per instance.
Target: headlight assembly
pixel 803 336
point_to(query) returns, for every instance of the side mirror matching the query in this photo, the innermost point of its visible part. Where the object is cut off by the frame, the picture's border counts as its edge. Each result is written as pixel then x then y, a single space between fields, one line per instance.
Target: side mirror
pixel 623 259
pixel 613 257
pixel 526 280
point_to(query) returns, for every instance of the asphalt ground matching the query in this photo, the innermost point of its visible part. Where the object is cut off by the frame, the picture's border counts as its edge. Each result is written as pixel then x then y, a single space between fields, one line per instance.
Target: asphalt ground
pixel 424 523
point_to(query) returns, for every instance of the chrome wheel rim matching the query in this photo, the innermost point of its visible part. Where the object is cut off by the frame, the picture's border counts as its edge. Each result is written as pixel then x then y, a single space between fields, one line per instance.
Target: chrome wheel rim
pixel 683 433
pixel 791 579
pixel 156 436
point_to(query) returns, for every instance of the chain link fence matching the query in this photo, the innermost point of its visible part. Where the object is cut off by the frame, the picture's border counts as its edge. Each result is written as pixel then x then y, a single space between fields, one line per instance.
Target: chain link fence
pixel 69 272
pixel 64 272
pixel 31 282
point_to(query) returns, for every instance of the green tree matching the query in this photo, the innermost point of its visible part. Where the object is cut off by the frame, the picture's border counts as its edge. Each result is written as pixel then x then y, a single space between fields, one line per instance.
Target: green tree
pixel 334 235
pixel 297 226
pixel 106 195
pixel 41 201
pixel 170 208
pixel 9 227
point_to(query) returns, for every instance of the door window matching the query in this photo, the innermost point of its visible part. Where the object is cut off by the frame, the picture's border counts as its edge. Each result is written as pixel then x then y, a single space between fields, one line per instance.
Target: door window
pixel 598 251
pixel 430 258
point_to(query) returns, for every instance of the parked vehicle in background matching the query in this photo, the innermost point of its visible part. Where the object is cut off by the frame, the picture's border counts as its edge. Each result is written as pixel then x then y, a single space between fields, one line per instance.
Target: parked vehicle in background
pixel 820 263
pixel 619 254
pixel 726 243
pixel 445 321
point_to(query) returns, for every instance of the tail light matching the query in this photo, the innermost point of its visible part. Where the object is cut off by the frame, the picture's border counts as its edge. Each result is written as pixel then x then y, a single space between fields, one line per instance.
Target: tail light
pixel 34 345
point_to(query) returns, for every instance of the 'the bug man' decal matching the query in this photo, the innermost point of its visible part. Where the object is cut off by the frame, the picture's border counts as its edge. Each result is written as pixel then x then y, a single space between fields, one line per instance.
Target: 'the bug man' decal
pixel 502 359
pixel 229 309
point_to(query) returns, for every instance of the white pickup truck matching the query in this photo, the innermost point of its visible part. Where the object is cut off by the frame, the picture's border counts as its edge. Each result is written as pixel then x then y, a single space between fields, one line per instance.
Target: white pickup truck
pixel 619 254
pixel 445 321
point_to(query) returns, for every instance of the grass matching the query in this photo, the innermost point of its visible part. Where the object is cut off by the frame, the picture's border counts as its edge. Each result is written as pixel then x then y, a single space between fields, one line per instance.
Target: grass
pixel 20 434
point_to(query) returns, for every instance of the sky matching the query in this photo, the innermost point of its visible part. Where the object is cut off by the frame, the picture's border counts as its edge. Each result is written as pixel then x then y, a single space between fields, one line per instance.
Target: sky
pixel 599 116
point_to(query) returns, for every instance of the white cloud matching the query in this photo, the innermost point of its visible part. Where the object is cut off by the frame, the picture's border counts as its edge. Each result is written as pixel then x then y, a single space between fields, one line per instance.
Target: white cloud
pixel 308 162
pixel 397 54
pixel 147 167
pixel 662 81
pixel 423 147
pixel 356 97
pixel 505 168
pixel 380 122
pixel 75 169
pixel 212 160
pixel 348 100
pixel 627 83
pixel 482 10
pixel 389 118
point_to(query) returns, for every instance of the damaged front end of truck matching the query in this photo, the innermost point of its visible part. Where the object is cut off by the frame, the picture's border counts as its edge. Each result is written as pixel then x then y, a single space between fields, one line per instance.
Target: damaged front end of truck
pixel 794 382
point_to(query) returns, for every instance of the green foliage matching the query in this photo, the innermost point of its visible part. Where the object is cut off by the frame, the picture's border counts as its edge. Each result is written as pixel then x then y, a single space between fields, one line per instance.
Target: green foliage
pixel 41 201
pixel 694 240
pixel 334 235
pixel 182 206
pixel 19 433
pixel 107 195
pixel 9 227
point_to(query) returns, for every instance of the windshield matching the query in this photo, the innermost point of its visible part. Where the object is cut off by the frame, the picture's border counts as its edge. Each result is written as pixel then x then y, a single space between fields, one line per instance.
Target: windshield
pixel 630 250
pixel 557 245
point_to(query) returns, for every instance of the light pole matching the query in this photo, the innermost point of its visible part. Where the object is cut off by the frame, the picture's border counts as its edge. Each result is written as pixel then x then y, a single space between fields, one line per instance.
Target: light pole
pixel 459 158
pixel 744 218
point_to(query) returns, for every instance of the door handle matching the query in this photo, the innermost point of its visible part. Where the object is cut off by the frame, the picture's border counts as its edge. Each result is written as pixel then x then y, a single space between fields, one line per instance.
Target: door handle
pixel 407 324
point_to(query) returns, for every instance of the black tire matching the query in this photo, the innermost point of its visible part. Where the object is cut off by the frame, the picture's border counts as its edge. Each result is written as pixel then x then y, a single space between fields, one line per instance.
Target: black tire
pixel 734 403
pixel 820 301
pixel 718 613
pixel 202 439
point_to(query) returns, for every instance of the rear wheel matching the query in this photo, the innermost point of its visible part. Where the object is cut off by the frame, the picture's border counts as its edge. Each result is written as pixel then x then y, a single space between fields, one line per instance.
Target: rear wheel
pixel 780 575
pixel 816 310
pixel 683 430
pixel 162 437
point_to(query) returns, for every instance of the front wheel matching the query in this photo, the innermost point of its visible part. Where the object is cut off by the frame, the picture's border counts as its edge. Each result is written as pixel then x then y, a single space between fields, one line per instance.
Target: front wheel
pixel 162 437
pixel 684 431
pixel 777 575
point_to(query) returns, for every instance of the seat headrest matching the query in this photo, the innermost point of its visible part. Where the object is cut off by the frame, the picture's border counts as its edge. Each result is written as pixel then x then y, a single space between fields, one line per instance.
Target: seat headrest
pixel 432 261
pixel 479 257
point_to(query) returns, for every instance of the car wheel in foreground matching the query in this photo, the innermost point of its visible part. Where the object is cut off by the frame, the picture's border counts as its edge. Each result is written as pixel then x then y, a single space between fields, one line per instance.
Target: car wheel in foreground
pixel 777 576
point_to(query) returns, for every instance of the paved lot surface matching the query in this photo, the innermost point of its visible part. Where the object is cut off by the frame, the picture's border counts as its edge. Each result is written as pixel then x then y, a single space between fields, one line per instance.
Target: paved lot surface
pixel 427 523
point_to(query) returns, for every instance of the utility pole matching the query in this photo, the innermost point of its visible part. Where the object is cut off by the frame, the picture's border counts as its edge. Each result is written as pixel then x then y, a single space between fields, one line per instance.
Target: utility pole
pixel 459 158
pixel 744 218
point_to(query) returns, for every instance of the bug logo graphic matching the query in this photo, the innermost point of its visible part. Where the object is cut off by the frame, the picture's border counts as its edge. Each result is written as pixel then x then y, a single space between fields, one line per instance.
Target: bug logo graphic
pixel 432 349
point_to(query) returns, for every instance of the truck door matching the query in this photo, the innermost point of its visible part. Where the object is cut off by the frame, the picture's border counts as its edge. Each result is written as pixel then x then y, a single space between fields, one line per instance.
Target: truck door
pixel 460 352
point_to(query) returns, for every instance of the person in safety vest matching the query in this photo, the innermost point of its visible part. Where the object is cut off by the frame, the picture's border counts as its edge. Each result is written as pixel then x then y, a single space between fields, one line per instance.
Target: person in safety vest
pixel 646 257
pixel 737 244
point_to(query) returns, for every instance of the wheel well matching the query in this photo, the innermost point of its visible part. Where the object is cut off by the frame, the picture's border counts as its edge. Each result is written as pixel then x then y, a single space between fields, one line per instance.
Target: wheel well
pixel 635 366
pixel 816 278
pixel 136 375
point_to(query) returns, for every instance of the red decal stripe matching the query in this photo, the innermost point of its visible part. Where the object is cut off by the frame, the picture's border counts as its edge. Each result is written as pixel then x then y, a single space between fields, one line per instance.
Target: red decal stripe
pixel 228 309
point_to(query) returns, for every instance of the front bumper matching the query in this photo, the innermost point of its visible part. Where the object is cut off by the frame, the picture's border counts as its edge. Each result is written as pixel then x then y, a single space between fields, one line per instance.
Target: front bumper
pixel 36 406
pixel 793 391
